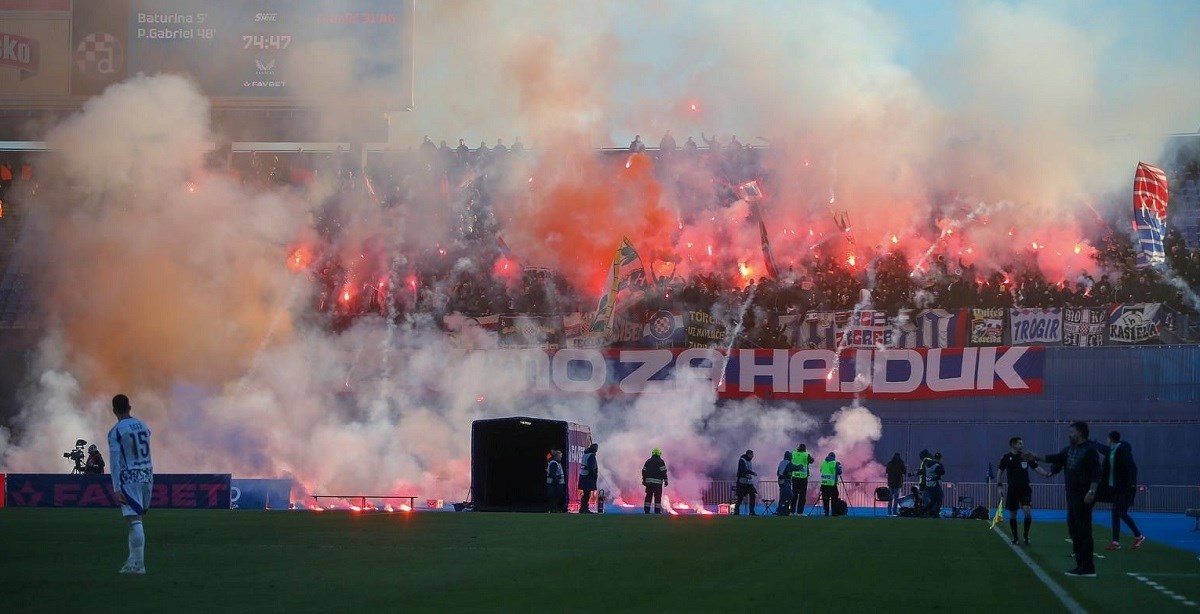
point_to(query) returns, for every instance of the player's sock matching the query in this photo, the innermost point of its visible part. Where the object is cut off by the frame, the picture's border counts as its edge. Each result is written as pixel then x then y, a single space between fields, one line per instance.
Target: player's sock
pixel 1028 523
pixel 1012 524
pixel 137 543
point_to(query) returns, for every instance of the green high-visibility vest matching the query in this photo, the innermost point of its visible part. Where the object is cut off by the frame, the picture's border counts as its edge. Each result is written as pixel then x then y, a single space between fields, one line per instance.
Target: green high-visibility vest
pixel 800 460
pixel 828 473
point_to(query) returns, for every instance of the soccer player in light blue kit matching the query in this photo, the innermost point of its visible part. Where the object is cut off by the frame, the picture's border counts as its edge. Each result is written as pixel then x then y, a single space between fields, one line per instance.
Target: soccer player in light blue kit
pixel 132 476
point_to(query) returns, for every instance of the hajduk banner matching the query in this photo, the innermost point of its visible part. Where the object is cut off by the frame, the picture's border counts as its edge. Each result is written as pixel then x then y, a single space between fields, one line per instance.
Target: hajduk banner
pixel 780 374
pixel 1084 326
pixel 1035 326
pixel 987 327
pixel 1132 324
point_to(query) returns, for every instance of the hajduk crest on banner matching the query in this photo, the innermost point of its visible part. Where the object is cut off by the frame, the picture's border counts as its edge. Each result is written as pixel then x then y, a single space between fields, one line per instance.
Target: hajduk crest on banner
pixel 1150 214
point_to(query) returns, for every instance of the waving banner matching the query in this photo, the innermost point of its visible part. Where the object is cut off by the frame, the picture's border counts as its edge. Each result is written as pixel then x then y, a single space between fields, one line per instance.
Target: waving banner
pixel 1150 213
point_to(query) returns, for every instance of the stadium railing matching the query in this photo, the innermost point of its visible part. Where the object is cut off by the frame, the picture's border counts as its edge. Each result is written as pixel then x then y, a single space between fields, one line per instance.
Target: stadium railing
pixel 1168 498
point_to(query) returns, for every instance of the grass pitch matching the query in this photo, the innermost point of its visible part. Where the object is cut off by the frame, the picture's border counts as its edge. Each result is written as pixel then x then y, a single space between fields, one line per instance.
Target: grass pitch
pixel 54 560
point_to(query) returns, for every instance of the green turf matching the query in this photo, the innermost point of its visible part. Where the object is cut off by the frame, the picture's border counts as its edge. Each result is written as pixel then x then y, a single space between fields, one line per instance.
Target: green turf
pixel 1114 589
pixel 66 560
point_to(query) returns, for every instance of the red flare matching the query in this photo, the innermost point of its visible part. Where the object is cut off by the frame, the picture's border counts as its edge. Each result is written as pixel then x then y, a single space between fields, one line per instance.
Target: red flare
pixel 299 258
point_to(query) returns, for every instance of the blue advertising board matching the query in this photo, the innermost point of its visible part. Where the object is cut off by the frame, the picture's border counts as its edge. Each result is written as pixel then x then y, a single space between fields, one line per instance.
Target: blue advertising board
pixel 254 494
pixel 171 491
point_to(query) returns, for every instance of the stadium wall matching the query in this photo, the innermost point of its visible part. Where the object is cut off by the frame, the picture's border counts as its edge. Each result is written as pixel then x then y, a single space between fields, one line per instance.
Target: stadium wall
pixel 1151 394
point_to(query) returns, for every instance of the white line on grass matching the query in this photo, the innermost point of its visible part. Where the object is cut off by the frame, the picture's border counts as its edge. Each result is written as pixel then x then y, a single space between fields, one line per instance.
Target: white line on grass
pixel 1068 602
pixel 1141 577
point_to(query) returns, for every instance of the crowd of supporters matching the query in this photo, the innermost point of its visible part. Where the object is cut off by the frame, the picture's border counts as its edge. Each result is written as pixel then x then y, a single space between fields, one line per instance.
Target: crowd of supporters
pixel 466 182
pixel 469 181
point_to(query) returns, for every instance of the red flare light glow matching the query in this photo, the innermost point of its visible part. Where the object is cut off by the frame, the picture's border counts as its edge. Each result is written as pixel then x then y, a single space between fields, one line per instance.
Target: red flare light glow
pixel 300 258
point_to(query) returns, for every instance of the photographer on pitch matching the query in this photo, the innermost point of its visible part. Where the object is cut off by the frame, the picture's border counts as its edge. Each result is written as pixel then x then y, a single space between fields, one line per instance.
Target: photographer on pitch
pixel 95 461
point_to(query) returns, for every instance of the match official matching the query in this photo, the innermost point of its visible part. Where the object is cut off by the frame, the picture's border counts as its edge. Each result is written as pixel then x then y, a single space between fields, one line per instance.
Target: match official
pixel 1019 493
pixel 132 477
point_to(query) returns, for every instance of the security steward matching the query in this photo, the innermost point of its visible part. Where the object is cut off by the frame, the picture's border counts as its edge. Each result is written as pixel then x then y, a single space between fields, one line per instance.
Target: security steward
pixel 801 459
pixel 587 477
pixel 745 483
pixel 654 478
pixel 830 470
pixel 784 474
pixel 556 482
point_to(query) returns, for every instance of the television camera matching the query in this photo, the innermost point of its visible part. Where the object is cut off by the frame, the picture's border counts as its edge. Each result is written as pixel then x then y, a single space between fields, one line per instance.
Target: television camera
pixel 77 455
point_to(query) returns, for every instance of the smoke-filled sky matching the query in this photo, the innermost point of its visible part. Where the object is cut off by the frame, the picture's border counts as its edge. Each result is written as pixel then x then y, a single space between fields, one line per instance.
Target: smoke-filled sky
pixel 902 113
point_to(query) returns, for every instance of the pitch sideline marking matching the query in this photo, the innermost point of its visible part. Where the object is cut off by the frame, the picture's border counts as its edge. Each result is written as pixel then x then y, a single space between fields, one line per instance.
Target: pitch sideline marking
pixel 1141 577
pixel 1068 602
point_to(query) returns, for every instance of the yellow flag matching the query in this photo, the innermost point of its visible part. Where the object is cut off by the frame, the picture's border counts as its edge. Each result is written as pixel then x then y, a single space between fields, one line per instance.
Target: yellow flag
pixel 999 517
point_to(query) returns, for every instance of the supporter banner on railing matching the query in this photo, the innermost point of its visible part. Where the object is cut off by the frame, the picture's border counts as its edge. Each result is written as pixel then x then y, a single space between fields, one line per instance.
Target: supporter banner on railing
pixel 1028 326
pixel 191 491
pixel 522 331
pixel 703 330
pixel 1084 326
pixel 664 329
pixel 866 328
pixel 933 328
pixel 987 326
pixel 781 374
pixel 1137 323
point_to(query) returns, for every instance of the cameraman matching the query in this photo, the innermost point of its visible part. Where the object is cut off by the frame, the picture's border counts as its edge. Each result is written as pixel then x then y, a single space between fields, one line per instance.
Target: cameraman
pixel 95 462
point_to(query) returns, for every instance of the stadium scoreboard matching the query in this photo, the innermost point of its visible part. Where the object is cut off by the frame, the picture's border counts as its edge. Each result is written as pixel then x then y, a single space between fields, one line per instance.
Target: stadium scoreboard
pixel 241 53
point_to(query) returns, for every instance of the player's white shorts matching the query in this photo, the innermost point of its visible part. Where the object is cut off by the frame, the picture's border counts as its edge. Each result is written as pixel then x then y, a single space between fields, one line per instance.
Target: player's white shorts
pixel 137 498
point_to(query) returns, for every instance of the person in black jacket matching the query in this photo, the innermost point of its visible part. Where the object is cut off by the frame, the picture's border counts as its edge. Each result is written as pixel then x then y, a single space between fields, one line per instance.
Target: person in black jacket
pixel 1119 473
pixel 95 461
pixel 1082 463
pixel 654 478
pixel 895 481
pixel 588 469
pixel 745 482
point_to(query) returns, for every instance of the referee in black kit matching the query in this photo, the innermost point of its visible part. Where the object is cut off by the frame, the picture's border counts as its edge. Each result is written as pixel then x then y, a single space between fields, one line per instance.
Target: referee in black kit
pixel 1019 494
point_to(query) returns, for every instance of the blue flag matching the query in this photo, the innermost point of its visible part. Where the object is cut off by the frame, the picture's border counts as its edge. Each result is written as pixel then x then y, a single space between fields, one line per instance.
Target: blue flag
pixel 991 476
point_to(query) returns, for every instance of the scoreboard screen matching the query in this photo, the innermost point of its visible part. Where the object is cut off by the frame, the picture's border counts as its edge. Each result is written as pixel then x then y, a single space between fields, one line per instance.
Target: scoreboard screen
pixel 278 49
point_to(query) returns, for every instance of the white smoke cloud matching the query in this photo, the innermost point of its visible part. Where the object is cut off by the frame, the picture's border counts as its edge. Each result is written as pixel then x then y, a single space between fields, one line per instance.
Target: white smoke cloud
pixel 177 297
